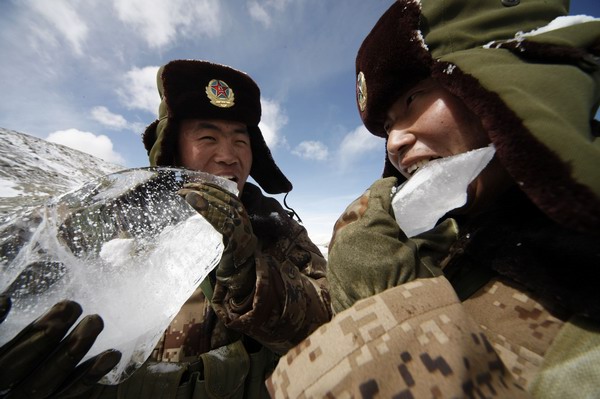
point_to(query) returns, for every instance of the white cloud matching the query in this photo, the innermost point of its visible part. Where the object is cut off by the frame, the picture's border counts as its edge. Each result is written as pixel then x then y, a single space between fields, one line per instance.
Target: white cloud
pixel 356 143
pixel 115 121
pixel 139 91
pixel 99 146
pixel 160 21
pixel 63 18
pixel 261 11
pixel 272 120
pixel 107 118
pixel 311 150
pixel 257 12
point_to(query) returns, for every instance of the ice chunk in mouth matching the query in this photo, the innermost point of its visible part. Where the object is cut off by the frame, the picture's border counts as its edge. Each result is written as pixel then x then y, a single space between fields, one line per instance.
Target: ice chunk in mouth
pixel 436 188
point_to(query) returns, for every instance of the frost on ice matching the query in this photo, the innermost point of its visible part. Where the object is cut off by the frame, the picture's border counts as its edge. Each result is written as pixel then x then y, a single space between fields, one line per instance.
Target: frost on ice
pixel 437 188
pixel 125 246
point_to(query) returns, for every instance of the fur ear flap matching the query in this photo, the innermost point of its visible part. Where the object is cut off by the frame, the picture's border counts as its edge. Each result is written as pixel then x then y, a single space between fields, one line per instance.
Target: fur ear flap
pixel 149 136
pixel 264 169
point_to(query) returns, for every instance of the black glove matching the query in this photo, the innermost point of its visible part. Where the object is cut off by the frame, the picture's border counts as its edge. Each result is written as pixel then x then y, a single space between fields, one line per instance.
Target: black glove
pixel 40 362
pixel 228 216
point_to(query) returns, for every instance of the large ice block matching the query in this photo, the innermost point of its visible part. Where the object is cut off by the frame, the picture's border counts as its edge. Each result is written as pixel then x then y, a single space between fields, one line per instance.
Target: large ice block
pixel 125 246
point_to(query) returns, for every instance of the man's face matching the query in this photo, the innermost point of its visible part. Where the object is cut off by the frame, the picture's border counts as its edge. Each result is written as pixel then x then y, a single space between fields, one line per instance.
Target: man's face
pixel 218 147
pixel 428 122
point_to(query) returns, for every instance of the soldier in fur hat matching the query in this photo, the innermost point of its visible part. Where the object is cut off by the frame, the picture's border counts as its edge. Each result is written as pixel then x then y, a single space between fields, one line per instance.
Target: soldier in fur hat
pixel 267 293
pixel 499 299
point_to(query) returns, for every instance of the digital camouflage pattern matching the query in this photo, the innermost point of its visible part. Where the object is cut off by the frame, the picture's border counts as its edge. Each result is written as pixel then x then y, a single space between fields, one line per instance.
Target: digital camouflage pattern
pixel 519 327
pixel 407 343
pixel 400 344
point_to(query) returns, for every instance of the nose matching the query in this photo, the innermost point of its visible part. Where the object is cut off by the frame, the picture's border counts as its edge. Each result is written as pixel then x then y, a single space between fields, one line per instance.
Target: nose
pixel 398 142
pixel 226 154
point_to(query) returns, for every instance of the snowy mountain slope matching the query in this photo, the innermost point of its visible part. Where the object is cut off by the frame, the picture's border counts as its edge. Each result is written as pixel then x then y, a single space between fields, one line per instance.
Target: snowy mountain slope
pixel 32 170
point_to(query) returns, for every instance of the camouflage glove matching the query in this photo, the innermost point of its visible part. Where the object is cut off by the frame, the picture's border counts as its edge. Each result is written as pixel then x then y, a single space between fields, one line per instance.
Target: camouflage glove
pixel 228 216
pixel 40 362
pixel 369 253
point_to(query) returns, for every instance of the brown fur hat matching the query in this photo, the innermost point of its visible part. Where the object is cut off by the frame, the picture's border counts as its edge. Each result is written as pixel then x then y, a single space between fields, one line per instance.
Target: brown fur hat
pixel 206 90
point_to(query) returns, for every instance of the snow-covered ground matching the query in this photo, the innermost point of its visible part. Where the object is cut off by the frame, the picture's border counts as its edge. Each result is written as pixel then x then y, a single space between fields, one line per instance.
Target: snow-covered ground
pixel 33 170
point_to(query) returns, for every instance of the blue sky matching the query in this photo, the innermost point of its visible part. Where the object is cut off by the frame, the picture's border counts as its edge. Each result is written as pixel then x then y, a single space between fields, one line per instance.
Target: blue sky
pixel 82 73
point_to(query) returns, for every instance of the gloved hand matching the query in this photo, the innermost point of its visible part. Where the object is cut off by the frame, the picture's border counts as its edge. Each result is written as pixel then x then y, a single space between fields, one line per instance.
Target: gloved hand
pixel 40 362
pixel 369 253
pixel 228 216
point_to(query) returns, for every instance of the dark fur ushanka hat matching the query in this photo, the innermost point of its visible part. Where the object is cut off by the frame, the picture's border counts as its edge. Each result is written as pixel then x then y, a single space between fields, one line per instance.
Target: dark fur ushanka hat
pixel 205 90
pixel 415 40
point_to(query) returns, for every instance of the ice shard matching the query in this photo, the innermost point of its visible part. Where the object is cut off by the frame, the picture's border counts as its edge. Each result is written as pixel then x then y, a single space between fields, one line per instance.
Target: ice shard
pixel 125 246
pixel 437 188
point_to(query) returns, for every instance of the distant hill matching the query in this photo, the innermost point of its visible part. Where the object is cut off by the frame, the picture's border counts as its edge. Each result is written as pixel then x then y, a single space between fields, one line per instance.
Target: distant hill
pixel 32 170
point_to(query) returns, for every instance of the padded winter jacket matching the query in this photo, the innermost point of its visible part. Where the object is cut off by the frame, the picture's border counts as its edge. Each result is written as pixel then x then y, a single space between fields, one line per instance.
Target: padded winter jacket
pixel 514 311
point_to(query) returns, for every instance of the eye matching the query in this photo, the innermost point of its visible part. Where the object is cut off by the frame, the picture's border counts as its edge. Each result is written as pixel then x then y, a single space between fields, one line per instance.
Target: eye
pixel 207 137
pixel 411 98
pixel 242 139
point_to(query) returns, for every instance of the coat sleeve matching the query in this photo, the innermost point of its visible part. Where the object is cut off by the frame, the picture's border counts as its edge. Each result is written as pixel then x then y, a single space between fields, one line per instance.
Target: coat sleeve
pixel 290 297
pixel 414 340
pixel 369 253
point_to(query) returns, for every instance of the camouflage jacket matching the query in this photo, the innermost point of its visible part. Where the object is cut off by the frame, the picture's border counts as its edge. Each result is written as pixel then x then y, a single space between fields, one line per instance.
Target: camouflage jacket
pixel 290 297
pixel 418 341
pixel 476 331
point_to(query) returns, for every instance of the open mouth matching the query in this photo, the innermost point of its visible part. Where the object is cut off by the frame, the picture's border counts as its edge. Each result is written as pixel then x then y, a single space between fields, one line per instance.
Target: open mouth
pixel 412 169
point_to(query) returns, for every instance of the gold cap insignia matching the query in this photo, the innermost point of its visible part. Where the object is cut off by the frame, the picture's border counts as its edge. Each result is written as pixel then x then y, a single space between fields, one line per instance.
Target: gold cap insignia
pixel 361 91
pixel 220 94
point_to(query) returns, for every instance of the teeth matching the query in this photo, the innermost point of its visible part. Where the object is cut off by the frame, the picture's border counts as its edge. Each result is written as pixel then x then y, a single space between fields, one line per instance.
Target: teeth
pixel 413 168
